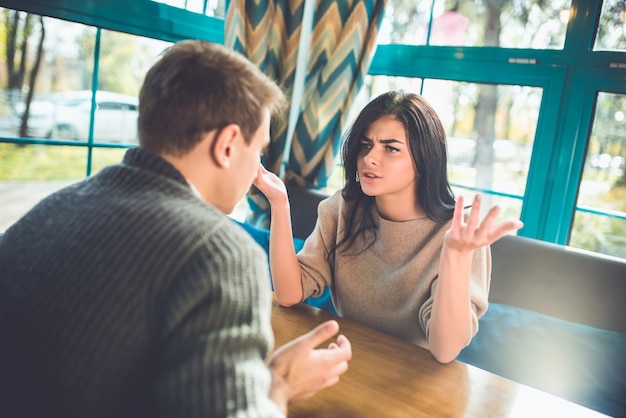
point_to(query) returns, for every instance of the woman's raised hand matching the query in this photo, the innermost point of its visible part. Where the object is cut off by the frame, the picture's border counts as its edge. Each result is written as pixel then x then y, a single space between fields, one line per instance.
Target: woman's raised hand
pixel 466 236
pixel 270 185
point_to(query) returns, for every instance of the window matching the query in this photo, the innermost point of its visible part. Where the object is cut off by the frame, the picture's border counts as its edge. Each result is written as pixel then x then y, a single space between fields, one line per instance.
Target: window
pixel 61 104
pixel 553 75
pixel 611 34
pixel 55 144
pixel 600 221
pixel 540 25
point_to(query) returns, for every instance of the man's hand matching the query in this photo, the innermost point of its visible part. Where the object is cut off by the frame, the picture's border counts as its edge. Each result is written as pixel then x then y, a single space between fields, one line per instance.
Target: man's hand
pixel 300 370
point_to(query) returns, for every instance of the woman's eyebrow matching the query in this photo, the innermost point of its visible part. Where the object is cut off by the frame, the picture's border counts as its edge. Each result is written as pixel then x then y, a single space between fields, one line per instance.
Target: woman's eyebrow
pixel 391 141
pixel 384 141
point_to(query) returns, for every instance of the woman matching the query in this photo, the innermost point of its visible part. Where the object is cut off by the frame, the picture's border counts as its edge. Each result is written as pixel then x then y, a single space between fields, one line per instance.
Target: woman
pixel 399 254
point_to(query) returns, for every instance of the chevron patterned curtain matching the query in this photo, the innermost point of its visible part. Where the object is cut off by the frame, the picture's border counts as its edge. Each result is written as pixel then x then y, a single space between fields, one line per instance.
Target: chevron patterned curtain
pixel 343 39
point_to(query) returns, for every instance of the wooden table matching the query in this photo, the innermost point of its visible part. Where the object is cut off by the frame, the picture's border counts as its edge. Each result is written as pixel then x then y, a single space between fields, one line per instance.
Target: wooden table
pixel 388 377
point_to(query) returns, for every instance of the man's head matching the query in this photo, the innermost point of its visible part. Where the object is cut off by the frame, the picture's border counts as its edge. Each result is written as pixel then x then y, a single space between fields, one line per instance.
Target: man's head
pixel 207 110
pixel 197 87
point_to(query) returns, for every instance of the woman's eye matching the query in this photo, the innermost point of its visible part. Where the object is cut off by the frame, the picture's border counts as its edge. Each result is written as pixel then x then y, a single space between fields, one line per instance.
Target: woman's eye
pixel 391 149
pixel 365 145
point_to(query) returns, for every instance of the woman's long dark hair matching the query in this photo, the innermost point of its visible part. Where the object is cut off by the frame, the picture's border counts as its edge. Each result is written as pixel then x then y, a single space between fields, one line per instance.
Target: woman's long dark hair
pixel 427 142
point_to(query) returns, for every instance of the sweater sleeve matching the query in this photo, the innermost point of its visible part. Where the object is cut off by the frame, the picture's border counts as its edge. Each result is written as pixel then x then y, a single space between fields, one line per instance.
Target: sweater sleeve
pixel 317 272
pixel 480 278
pixel 217 334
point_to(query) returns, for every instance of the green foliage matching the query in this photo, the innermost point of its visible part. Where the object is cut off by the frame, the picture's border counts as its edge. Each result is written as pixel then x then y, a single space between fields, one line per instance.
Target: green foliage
pixel 601 233
pixel 117 56
pixel 39 162
pixel 621 182
pixel 43 162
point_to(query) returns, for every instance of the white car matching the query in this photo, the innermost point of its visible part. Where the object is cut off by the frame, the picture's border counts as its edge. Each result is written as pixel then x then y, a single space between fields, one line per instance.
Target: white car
pixel 66 115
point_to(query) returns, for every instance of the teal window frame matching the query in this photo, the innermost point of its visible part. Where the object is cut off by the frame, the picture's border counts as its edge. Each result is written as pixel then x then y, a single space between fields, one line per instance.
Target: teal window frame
pixel 137 17
pixel 569 158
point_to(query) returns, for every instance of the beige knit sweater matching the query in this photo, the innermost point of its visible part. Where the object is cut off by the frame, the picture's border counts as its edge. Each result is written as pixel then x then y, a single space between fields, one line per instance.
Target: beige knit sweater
pixel 390 285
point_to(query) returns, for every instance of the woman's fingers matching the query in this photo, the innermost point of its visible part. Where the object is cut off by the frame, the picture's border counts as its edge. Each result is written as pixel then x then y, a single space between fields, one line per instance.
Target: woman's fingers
pixel 475 233
pixel 457 217
pixel 474 216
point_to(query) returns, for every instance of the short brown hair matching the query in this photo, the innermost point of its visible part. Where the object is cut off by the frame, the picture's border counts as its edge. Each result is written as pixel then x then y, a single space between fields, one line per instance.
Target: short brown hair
pixel 196 87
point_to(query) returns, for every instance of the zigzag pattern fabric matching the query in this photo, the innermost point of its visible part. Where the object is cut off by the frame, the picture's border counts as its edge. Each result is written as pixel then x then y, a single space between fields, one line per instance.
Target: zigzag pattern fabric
pixel 267 32
pixel 342 45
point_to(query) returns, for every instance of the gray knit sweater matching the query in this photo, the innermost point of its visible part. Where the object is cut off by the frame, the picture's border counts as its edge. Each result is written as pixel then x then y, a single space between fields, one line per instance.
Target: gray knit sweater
pixel 125 295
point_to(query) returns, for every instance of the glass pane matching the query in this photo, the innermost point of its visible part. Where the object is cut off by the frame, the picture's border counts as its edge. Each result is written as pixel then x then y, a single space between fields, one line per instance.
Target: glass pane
pixel 611 33
pixel 490 130
pixel 600 219
pixel 42 162
pixel 405 22
pixel 540 25
pixel 124 60
pixel 510 208
pixel 60 104
pixel 62 66
pixel 31 172
pixel 102 157
pixel 208 7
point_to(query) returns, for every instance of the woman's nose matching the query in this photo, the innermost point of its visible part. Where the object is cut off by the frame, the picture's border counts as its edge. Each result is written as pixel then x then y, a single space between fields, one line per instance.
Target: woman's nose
pixel 372 157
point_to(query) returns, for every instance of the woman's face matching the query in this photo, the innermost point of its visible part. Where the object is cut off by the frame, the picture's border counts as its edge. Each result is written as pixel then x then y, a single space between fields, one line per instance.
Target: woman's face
pixel 384 163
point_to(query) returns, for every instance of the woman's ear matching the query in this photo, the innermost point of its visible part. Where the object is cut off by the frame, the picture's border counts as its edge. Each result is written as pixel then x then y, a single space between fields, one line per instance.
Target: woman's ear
pixel 223 145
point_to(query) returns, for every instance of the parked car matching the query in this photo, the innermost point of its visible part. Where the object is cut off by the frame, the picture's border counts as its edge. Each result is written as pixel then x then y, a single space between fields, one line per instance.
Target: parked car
pixel 66 115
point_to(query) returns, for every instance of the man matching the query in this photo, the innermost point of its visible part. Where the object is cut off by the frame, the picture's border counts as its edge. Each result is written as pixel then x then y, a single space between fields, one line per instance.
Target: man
pixel 131 294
